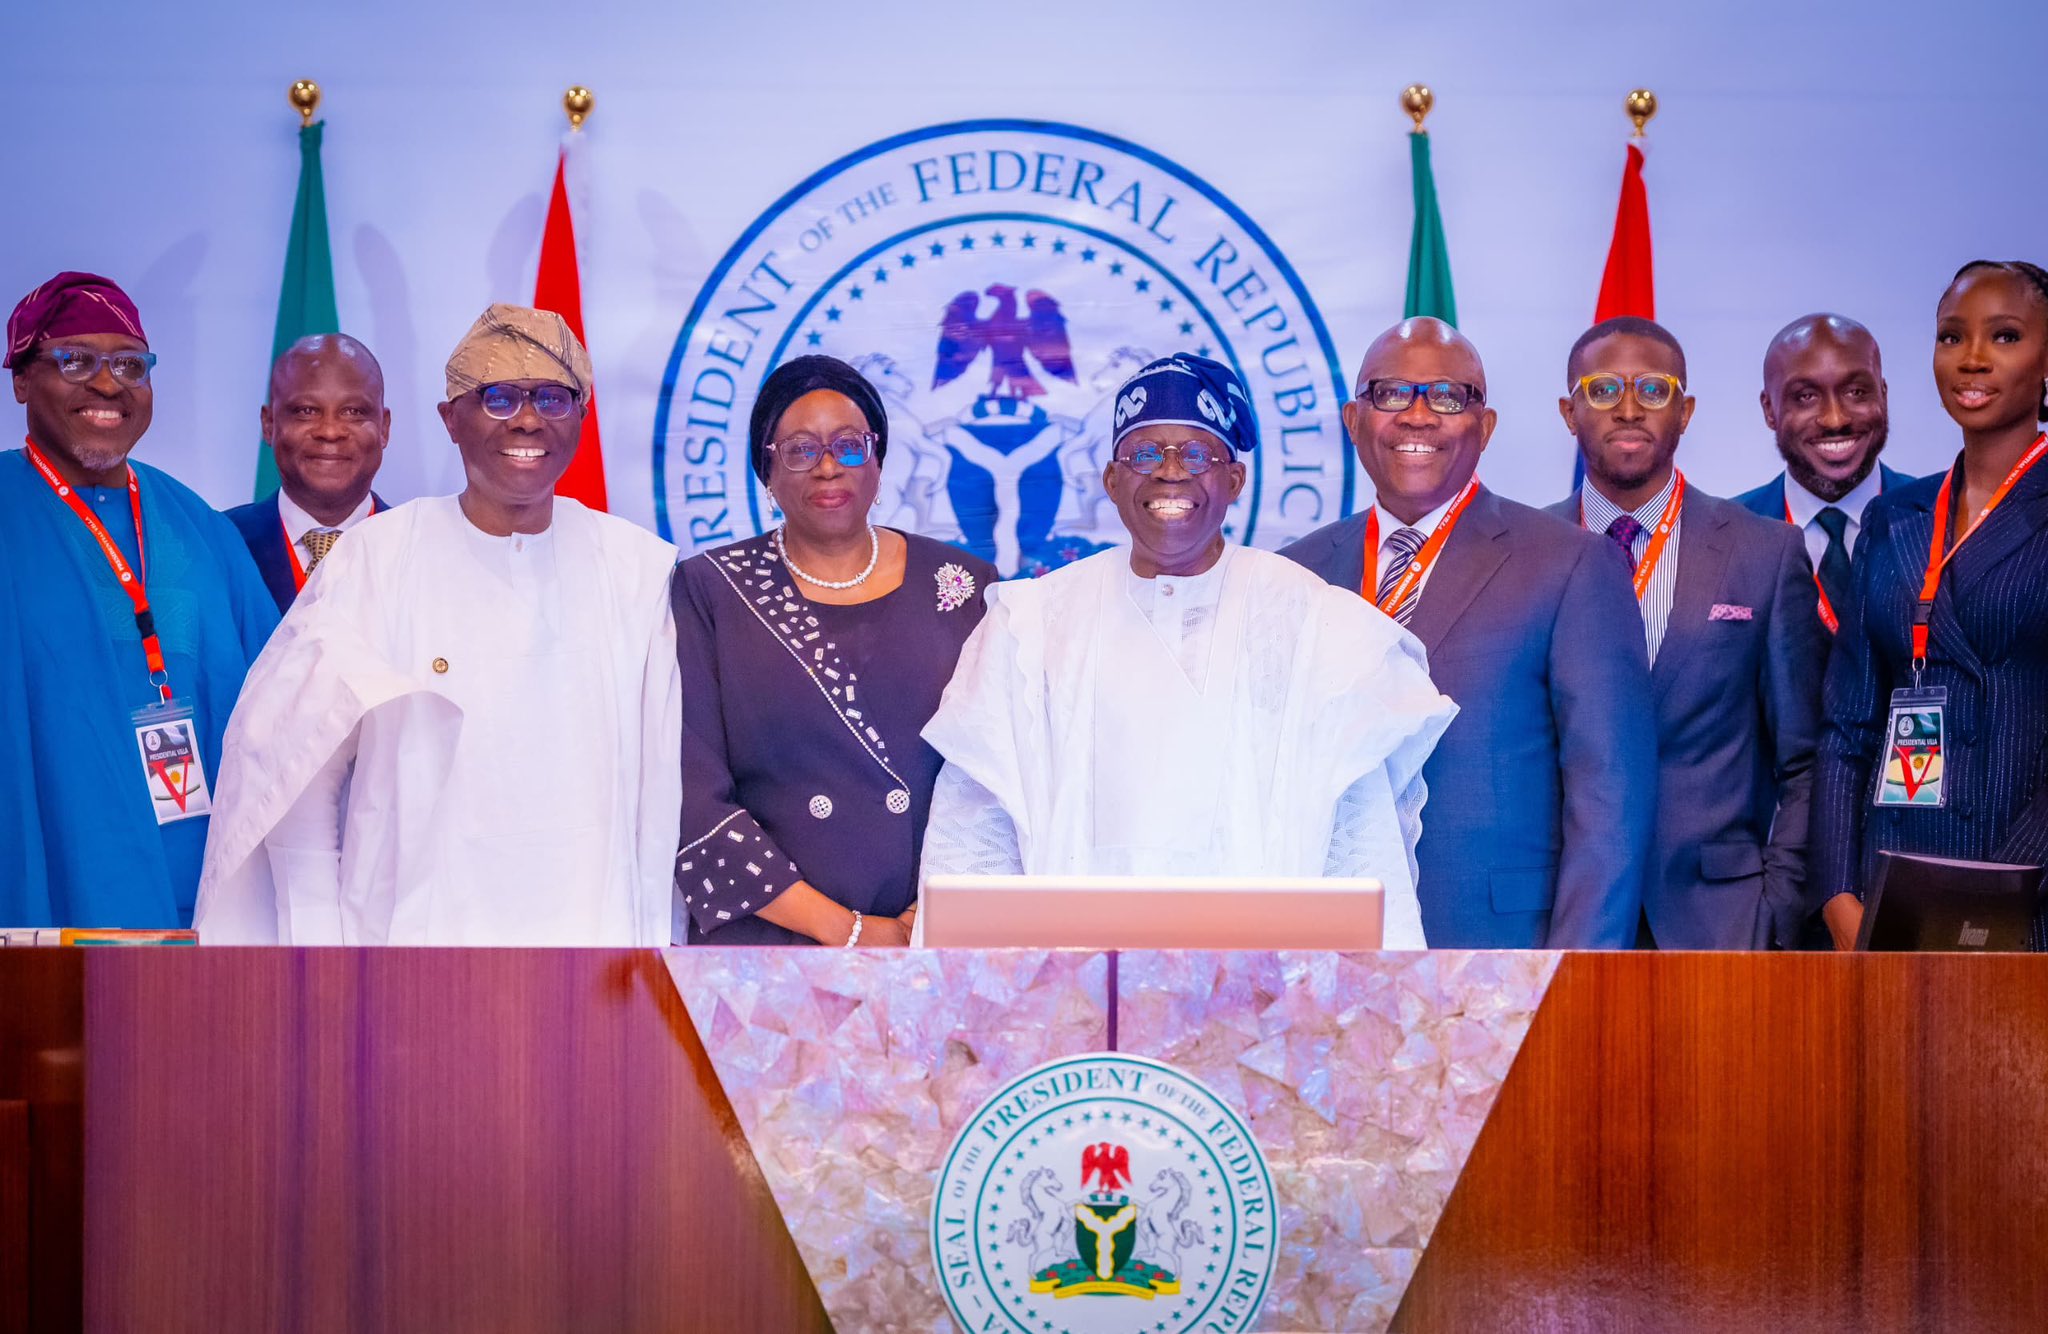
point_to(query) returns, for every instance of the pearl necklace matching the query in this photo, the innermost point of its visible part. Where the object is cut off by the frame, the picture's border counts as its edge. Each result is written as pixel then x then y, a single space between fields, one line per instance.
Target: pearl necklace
pixel 874 556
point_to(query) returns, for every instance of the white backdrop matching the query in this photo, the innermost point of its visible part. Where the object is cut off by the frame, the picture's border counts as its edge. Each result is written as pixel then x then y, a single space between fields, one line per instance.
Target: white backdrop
pixel 1806 156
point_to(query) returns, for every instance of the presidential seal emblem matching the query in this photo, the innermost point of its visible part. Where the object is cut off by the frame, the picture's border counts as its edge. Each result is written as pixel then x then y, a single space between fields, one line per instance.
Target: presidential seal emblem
pixel 1100 1194
pixel 997 280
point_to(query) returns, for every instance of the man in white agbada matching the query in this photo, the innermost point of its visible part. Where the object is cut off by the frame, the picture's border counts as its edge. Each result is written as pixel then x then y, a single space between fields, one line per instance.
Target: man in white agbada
pixel 468 729
pixel 1188 706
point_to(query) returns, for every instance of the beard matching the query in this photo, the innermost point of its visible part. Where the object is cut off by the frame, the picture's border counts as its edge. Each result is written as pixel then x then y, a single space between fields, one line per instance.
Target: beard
pixel 1827 488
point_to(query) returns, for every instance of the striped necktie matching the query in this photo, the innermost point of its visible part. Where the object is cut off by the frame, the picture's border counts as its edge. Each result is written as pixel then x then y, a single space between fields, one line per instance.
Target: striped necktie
pixel 318 543
pixel 1400 547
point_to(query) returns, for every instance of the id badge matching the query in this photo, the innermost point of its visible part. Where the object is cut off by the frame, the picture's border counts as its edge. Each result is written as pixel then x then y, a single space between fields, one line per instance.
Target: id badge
pixel 1914 762
pixel 167 740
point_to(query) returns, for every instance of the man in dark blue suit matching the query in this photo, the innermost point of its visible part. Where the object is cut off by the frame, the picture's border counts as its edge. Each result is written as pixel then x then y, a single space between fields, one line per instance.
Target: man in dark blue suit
pixel 1736 651
pixel 1824 397
pixel 326 424
pixel 1541 794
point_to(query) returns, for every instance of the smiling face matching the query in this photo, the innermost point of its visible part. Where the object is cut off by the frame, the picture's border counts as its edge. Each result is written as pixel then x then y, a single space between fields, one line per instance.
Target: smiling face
pixel 828 505
pixel 1419 459
pixel 90 427
pixel 327 425
pixel 1824 396
pixel 1628 448
pixel 512 465
pixel 1991 351
pixel 1175 519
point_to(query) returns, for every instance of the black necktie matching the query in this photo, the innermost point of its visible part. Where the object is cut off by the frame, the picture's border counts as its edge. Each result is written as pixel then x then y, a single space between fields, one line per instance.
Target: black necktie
pixel 1834 562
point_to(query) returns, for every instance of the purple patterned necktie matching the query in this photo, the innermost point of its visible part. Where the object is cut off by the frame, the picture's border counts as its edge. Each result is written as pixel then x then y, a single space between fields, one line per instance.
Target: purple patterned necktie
pixel 1623 532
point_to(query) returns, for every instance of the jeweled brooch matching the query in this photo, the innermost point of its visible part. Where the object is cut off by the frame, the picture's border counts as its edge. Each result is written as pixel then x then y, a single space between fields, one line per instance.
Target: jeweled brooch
pixel 956 586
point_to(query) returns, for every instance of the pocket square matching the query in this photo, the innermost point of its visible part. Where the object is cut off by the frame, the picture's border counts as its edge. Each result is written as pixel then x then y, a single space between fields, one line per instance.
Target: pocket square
pixel 1728 611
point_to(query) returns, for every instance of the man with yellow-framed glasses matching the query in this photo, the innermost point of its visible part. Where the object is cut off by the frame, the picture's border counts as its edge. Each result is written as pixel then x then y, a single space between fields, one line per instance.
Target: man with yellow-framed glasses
pixel 1736 650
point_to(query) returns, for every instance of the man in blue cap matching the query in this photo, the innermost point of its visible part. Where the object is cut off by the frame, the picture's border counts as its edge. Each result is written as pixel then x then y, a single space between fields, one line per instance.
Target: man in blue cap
pixel 1185 705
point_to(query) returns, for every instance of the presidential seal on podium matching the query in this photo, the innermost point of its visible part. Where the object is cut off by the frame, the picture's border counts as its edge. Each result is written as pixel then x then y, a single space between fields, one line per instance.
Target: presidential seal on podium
pixel 1104 1193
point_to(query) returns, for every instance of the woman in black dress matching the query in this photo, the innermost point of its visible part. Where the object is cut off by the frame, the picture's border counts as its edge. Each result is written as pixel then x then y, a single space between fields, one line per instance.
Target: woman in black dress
pixel 1964 553
pixel 812 657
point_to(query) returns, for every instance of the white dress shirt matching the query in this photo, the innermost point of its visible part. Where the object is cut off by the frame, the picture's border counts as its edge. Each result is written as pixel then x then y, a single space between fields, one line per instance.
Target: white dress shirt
pixel 1806 508
pixel 298 523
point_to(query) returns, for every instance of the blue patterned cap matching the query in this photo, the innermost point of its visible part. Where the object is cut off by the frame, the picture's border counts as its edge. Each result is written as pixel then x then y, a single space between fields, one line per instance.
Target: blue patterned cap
pixel 1187 390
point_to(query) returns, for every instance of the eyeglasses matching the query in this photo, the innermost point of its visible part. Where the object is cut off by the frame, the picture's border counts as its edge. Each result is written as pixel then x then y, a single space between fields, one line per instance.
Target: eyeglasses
pixel 1196 457
pixel 1603 390
pixel 79 365
pixel 503 401
pixel 1446 398
pixel 801 453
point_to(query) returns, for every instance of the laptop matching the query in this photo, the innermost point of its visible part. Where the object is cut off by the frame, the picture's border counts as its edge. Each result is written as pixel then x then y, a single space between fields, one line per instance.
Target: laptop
pixel 1150 913
pixel 1934 903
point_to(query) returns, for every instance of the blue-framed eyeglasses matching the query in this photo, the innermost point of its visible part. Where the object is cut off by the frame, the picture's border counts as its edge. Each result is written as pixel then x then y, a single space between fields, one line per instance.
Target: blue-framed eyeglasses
pixel 80 365
pixel 801 453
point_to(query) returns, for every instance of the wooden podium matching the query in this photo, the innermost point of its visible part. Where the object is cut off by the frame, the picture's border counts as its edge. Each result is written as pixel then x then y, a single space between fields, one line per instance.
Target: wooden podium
pixel 536 1140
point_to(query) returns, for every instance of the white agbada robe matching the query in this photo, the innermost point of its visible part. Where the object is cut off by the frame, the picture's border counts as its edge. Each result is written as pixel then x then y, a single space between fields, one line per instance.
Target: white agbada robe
pixel 457 738
pixel 1247 721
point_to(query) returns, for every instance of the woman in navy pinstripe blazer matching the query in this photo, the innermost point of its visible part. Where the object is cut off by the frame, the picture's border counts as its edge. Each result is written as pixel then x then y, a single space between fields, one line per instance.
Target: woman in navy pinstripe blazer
pixel 1987 628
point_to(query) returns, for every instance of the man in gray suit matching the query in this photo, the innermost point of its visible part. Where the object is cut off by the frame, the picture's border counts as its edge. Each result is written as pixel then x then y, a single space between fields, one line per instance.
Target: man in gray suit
pixel 1736 648
pixel 1541 794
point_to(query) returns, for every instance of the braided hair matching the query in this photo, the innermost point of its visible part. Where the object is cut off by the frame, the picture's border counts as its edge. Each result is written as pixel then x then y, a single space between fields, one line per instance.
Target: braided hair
pixel 2037 278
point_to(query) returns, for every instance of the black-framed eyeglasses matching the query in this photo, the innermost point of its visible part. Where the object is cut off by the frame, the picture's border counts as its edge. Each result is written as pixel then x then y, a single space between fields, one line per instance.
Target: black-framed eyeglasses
pixel 503 401
pixel 1196 457
pixel 1444 397
pixel 80 365
pixel 801 453
pixel 1603 389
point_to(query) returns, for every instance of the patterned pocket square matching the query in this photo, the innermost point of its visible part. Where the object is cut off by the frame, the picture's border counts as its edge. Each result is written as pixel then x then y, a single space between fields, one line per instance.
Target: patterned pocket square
pixel 1728 611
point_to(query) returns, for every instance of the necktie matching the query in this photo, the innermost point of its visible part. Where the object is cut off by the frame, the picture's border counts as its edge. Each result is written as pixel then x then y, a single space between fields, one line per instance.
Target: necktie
pixel 1401 547
pixel 1623 532
pixel 318 543
pixel 1834 562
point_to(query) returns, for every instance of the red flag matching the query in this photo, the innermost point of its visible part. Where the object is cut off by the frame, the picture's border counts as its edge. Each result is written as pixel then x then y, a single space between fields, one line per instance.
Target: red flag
pixel 1628 286
pixel 560 289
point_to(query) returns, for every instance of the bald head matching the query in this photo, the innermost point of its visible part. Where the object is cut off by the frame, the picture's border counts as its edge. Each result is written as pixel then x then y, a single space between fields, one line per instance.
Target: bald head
pixel 1417 344
pixel 1419 458
pixel 1824 399
pixel 1801 334
pixel 327 424
pixel 336 350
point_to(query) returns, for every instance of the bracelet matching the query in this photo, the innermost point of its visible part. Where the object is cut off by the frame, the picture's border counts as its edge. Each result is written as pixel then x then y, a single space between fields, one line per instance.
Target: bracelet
pixel 854 939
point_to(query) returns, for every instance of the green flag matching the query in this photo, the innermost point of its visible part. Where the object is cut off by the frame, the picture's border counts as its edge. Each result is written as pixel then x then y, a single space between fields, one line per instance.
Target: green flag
pixel 1429 259
pixel 305 302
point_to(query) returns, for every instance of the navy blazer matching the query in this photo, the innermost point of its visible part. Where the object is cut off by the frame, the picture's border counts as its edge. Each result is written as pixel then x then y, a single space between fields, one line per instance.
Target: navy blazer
pixel 1769 499
pixel 1737 690
pixel 1987 645
pixel 1542 791
pixel 262 529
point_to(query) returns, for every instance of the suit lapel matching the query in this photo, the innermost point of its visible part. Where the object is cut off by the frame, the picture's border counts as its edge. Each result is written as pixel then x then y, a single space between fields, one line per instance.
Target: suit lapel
pixel 1471 555
pixel 2023 514
pixel 1702 561
pixel 274 562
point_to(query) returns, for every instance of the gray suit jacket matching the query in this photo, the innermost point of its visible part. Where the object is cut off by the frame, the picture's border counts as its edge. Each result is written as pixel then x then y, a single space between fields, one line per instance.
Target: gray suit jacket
pixel 1737 690
pixel 1542 792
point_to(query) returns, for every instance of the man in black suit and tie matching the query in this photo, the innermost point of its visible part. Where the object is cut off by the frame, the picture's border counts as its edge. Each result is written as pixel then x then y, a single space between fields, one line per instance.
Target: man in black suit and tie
pixel 1735 648
pixel 1541 794
pixel 327 426
pixel 1824 397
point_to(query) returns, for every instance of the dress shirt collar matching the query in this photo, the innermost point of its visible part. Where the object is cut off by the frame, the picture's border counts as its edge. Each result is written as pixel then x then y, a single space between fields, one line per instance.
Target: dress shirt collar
pixel 1426 525
pixel 1599 511
pixel 297 523
pixel 1806 506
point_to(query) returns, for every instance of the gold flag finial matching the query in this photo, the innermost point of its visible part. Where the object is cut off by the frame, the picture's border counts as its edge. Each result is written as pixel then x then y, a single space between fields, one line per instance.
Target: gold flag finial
pixel 1416 100
pixel 577 102
pixel 305 99
pixel 1641 105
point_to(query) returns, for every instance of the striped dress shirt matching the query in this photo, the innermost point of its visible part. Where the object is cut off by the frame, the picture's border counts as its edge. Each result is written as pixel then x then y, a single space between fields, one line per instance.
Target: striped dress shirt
pixel 1599 512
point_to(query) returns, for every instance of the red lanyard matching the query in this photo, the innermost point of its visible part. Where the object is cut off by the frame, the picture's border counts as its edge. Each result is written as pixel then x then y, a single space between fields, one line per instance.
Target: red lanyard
pixel 1827 608
pixel 1418 569
pixel 131 581
pixel 1653 553
pixel 1938 559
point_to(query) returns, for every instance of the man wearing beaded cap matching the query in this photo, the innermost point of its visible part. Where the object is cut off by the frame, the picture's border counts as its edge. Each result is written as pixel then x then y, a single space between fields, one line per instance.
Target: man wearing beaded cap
pixel 1185 705
pixel 466 730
